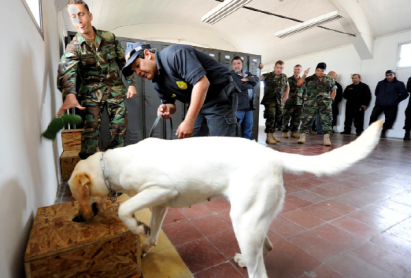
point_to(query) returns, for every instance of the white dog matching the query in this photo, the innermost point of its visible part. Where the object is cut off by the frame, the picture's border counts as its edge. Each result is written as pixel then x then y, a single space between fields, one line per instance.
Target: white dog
pixel 161 174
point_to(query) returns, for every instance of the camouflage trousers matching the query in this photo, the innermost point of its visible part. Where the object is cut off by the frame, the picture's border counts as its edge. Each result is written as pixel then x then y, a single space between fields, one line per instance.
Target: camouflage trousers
pixel 323 108
pixel 291 113
pixel 273 115
pixel 117 112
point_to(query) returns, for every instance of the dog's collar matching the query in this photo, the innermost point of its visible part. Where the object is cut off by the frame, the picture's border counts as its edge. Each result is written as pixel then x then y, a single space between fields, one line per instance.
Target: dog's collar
pixel 112 194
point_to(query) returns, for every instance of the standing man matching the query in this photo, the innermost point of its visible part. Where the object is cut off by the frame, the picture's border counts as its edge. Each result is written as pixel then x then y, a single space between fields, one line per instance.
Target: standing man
pixel 358 97
pixel 389 93
pixel 276 93
pixel 93 57
pixel 293 106
pixel 321 92
pixel 407 126
pixel 336 101
pixel 246 82
pixel 190 76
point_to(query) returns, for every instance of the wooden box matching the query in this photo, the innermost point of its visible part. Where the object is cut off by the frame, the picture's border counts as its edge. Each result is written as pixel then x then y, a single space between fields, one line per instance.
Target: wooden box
pixel 71 139
pixel 68 161
pixel 101 247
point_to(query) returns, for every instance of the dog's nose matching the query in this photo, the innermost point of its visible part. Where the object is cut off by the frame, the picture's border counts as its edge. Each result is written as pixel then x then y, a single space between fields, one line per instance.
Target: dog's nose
pixel 95 209
pixel 78 218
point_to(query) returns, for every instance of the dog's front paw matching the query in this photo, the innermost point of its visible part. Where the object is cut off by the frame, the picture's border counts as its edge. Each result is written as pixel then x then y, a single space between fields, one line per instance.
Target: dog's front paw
pixel 142 229
pixel 238 258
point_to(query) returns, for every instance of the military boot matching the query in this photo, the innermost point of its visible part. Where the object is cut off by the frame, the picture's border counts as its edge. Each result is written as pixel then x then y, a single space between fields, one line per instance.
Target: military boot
pixel 285 135
pixel 326 140
pixel 269 139
pixel 295 135
pixel 276 139
pixel 383 133
pixel 302 138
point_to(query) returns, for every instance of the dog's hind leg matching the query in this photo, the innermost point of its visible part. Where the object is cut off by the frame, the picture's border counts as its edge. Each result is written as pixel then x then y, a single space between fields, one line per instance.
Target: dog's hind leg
pixel 158 215
pixel 150 197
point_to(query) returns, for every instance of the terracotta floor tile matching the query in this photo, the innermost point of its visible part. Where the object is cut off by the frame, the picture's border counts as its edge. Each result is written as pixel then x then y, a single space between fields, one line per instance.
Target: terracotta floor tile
pixel 293 259
pixel 402 230
pixel 218 204
pixel 287 177
pixel 274 270
pixel 324 272
pixel 385 212
pixel 274 237
pixel 225 270
pixel 317 246
pixel 303 183
pixel 195 211
pixel 321 212
pixel 199 255
pixel 291 188
pixel 375 221
pixel 287 208
pixel 226 243
pixel 395 206
pixel 303 219
pixel 337 206
pixel 173 216
pixel 210 224
pixel 182 232
pixel 285 228
pixel 396 264
pixel 225 216
pixel 392 243
pixel 355 227
pixel 351 266
pixel 325 192
pixel 309 196
pixel 403 198
pixel 296 202
pixel 338 236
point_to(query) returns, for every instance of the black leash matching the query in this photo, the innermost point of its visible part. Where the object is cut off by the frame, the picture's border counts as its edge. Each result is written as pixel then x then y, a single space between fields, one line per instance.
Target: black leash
pixel 155 126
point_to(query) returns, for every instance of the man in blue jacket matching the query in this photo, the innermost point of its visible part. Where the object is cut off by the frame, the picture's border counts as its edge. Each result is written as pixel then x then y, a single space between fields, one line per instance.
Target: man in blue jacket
pixel 389 93
pixel 246 81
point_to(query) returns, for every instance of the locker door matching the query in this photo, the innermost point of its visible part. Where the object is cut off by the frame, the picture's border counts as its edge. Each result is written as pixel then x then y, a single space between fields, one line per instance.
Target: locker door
pixel 254 62
pixel 226 59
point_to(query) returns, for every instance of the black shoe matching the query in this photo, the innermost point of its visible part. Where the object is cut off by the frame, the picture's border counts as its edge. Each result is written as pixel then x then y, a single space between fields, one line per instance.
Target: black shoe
pixel 345 132
pixel 383 133
pixel 358 134
pixel 407 136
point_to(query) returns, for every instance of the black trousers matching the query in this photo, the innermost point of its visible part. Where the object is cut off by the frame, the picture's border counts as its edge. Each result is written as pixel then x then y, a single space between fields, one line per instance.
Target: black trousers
pixel 353 114
pixel 390 112
pixel 335 113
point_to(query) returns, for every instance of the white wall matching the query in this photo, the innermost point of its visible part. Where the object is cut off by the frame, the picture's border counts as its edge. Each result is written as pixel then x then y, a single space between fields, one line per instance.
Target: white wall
pixel 345 61
pixel 29 164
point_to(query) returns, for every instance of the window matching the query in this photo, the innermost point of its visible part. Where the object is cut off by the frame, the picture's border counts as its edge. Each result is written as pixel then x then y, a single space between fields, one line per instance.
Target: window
pixel 404 55
pixel 34 9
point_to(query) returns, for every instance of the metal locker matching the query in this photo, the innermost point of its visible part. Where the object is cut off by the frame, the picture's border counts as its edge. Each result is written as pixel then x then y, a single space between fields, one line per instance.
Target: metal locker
pixel 254 62
pixel 226 59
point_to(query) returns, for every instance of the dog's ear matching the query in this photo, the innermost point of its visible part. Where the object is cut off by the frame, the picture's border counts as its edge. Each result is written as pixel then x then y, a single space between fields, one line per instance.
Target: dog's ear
pixel 83 181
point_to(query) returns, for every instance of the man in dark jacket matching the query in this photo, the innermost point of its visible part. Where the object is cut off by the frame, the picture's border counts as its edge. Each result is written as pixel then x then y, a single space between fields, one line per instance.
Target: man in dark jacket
pixel 389 93
pixel 359 96
pixel 407 126
pixel 246 81
pixel 336 101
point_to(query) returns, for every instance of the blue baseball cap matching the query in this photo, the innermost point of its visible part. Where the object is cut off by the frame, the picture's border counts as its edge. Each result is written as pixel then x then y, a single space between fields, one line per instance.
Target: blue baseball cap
pixel 131 54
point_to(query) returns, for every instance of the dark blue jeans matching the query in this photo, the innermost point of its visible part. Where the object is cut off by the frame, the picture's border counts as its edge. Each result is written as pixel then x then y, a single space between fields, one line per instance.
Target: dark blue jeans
pixel 246 122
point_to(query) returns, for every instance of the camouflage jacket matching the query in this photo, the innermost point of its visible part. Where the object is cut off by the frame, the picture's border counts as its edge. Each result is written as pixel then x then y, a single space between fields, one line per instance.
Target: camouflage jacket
pixel 98 68
pixel 274 87
pixel 296 94
pixel 317 89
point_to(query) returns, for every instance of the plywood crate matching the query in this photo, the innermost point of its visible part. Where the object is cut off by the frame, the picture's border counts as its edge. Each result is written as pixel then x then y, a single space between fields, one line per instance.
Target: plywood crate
pixel 71 140
pixel 101 247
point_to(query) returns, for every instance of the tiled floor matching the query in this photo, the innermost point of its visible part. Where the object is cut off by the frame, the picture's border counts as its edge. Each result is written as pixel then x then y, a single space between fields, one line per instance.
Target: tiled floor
pixel 355 224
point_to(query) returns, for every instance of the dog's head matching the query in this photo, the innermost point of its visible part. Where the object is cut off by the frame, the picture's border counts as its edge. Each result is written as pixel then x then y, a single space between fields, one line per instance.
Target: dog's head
pixel 86 187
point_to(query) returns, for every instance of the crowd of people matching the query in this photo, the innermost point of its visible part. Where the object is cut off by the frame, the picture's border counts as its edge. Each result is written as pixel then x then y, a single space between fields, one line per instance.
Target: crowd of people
pixel 219 100
pixel 299 100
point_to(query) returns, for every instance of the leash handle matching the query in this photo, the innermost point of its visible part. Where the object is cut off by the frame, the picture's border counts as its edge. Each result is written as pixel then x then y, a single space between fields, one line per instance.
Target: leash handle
pixel 155 126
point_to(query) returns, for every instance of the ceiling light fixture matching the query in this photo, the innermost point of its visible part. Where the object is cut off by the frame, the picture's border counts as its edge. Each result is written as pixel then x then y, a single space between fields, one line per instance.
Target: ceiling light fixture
pixel 223 10
pixel 315 22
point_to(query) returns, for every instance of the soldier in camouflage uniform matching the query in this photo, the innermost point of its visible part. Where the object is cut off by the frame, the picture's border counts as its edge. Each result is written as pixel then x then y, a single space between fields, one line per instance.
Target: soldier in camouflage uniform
pixel 321 91
pixel 275 94
pixel 293 106
pixel 92 58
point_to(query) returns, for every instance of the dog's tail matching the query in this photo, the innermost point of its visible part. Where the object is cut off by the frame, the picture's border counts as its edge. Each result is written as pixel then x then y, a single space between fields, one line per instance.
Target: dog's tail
pixel 337 160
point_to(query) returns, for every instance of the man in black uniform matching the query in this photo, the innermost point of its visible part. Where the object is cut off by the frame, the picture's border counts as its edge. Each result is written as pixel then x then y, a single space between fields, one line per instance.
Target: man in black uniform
pixel 190 76
pixel 407 126
pixel 336 100
pixel 359 96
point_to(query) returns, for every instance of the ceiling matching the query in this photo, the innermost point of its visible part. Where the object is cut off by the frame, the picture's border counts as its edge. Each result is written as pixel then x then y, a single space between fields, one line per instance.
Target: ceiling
pixel 243 31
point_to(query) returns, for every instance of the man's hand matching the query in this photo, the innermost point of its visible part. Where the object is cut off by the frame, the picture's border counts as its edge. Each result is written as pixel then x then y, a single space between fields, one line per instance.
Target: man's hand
pixel 165 110
pixel 185 129
pixel 131 92
pixel 244 79
pixel 261 66
pixel 307 72
pixel 69 102
pixel 285 98
pixel 364 107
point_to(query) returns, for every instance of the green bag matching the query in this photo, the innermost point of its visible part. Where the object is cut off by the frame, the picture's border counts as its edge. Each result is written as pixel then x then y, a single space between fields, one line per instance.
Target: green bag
pixel 58 123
